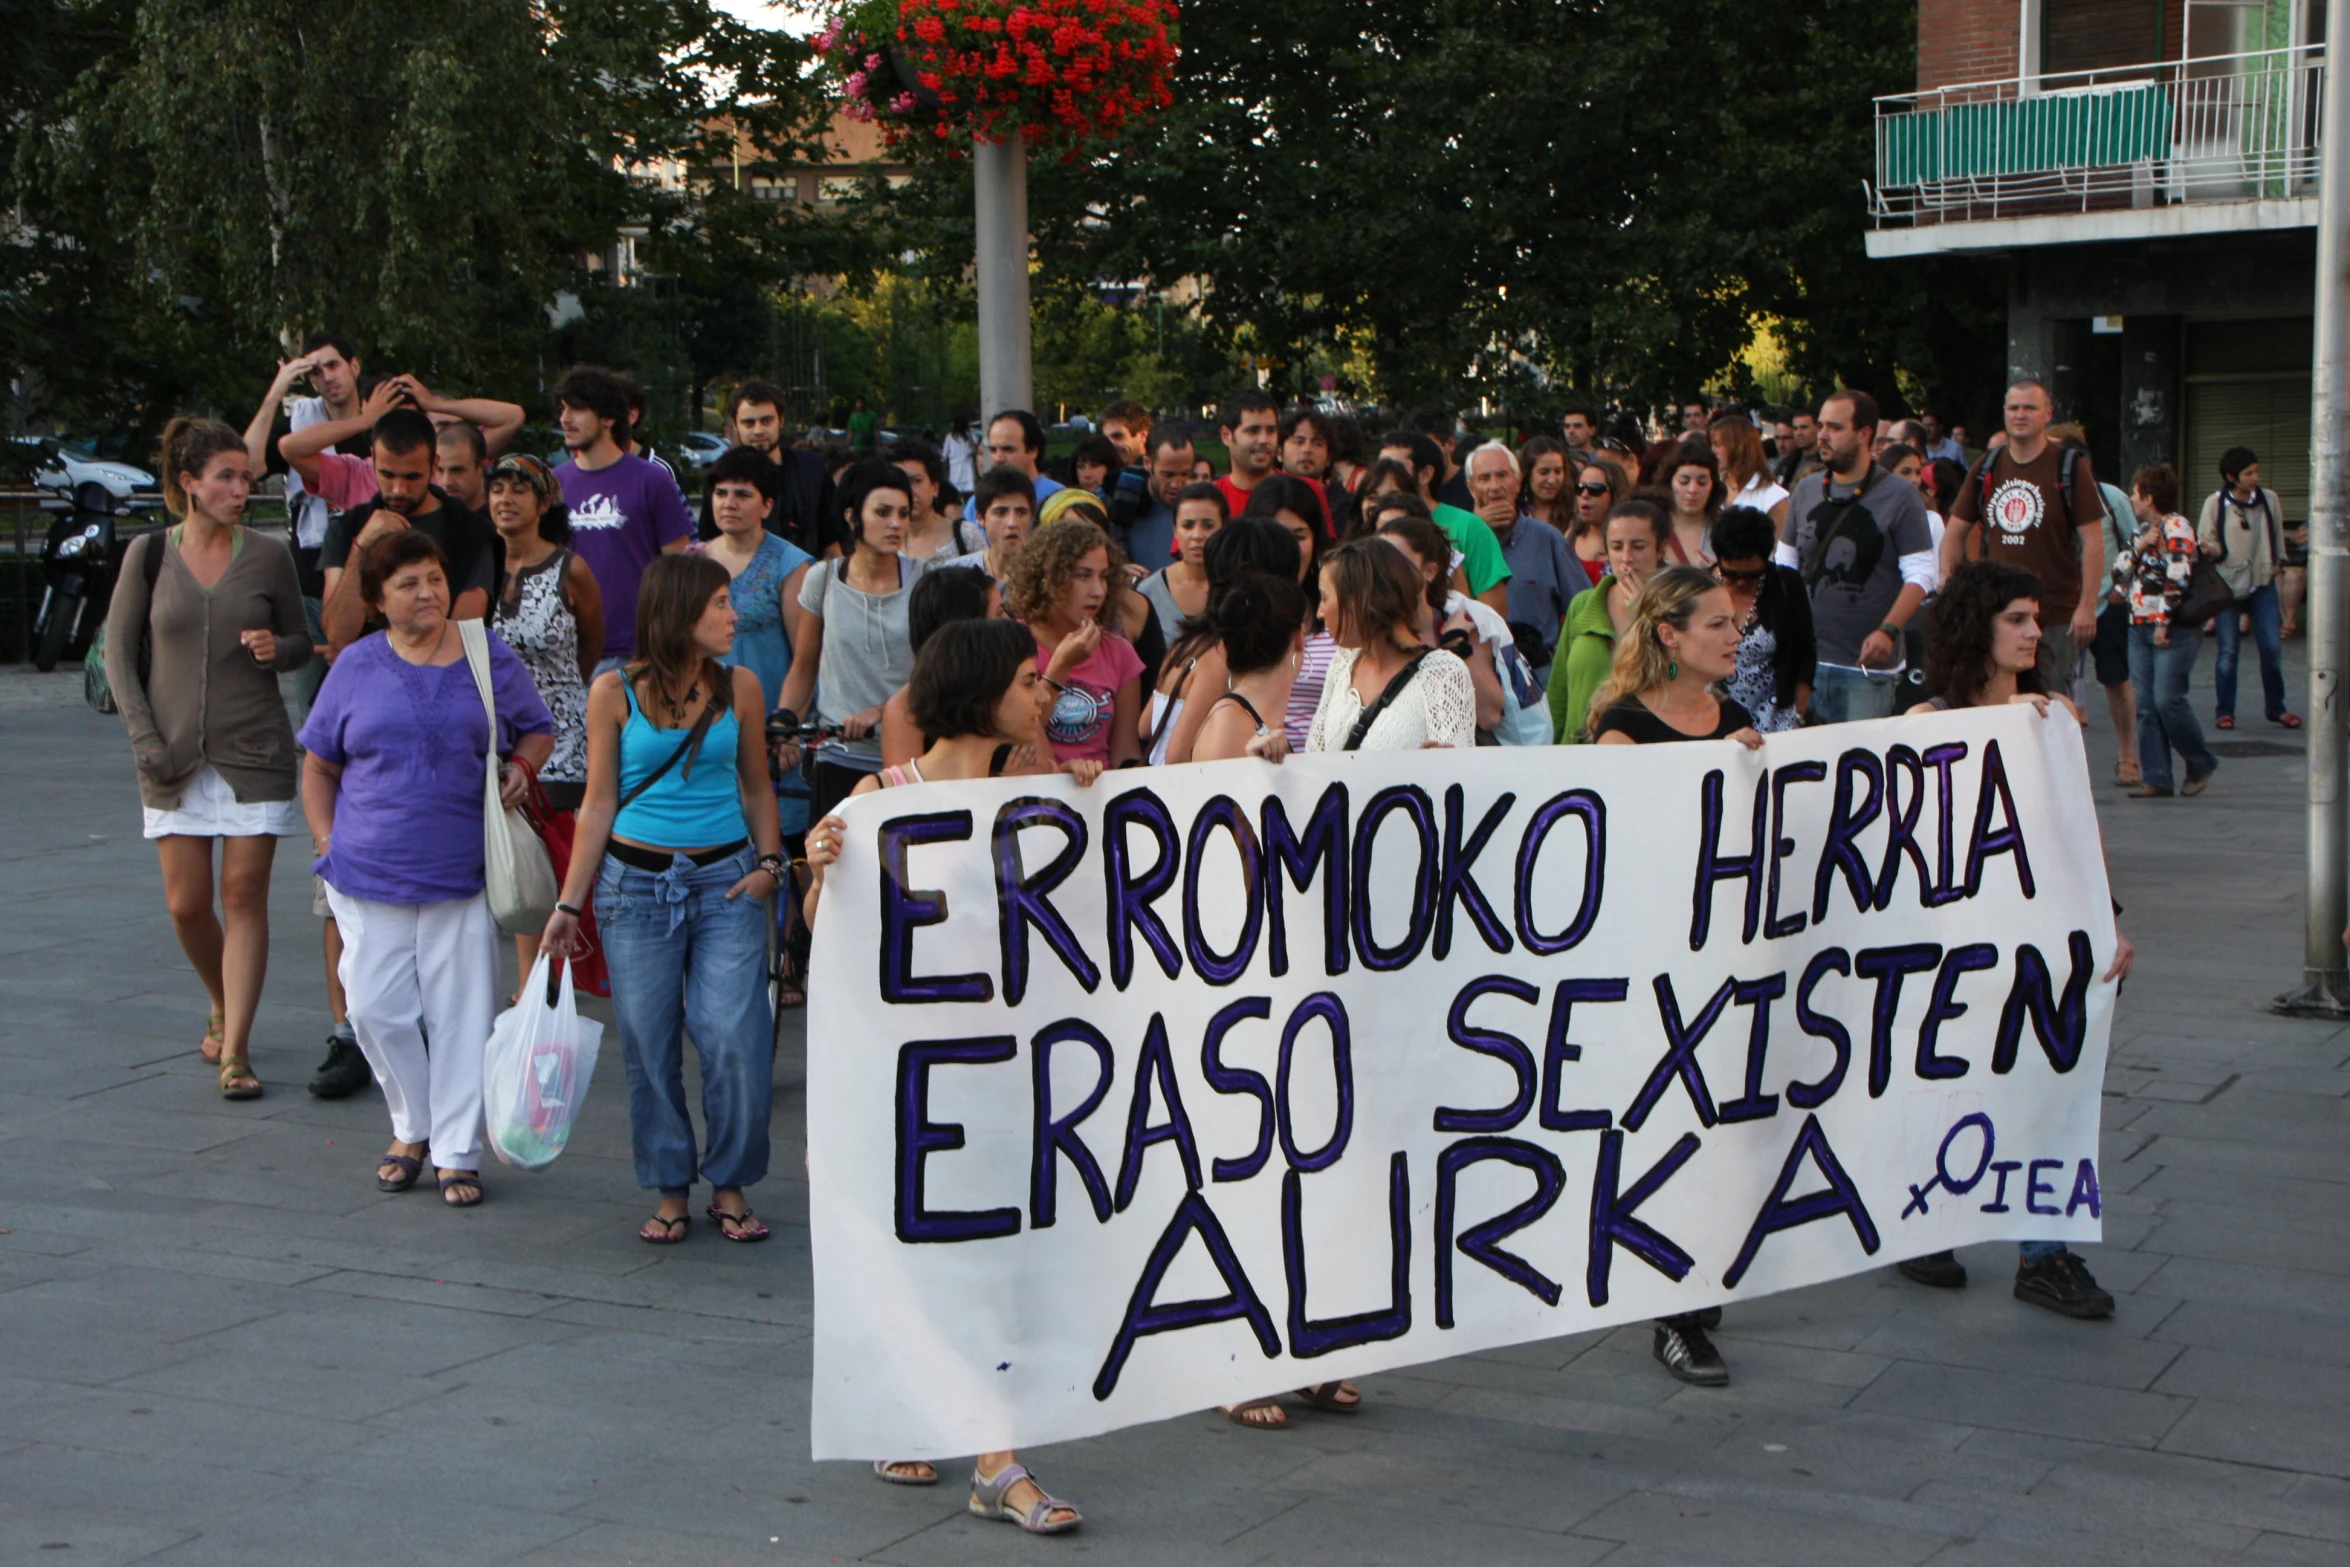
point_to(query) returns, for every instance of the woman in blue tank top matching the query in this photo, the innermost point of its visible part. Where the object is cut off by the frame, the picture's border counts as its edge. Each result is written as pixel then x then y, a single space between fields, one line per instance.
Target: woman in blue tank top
pixel 678 840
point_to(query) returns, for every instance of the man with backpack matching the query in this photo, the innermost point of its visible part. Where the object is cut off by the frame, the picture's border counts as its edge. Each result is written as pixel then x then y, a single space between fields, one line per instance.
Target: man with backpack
pixel 1859 537
pixel 2241 530
pixel 2035 504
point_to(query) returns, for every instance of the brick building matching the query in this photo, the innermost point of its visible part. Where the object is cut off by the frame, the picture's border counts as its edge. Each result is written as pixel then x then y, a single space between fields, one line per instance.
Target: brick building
pixel 2148 168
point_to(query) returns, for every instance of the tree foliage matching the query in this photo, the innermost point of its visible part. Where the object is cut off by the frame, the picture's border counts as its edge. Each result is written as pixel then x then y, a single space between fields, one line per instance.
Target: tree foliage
pixel 1523 198
pixel 199 185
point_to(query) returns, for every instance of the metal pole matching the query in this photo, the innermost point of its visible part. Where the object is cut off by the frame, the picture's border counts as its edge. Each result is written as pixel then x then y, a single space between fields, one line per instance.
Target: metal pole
pixel 2325 986
pixel 999 193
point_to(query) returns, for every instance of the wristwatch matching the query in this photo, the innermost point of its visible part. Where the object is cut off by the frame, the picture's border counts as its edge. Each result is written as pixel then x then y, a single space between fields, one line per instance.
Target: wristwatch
pixel 772 864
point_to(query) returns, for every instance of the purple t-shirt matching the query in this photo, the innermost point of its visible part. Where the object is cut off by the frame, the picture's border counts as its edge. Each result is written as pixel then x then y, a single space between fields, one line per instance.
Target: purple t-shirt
pixel 410 739
pixel 621 517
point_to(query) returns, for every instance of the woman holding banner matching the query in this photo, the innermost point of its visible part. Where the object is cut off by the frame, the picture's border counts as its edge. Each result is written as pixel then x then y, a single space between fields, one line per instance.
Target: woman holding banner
pixel 1679 646
pixel 976 690
pixel 1984 651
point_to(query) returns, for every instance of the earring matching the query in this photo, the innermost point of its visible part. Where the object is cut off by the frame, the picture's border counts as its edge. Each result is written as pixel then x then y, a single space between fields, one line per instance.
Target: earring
pixel 1672 669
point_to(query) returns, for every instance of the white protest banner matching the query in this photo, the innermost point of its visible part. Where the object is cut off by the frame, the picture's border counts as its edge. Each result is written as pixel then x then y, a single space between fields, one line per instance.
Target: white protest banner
pixel 1209 1082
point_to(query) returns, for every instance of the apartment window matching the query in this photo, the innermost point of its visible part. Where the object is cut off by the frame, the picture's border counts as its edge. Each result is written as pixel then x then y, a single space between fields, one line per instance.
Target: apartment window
pixel 2097 35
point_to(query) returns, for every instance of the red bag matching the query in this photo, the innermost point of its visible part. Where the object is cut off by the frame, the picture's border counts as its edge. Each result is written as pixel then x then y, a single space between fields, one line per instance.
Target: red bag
pixel 556 830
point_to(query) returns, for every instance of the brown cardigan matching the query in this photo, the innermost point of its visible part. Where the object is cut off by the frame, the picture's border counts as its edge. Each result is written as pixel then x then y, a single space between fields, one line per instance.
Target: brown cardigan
pixel 205 699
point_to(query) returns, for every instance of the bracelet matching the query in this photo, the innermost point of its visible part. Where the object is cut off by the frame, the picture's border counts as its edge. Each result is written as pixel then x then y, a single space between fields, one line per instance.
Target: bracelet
pixel 565 908
pixel 772 864
pixel 1889 628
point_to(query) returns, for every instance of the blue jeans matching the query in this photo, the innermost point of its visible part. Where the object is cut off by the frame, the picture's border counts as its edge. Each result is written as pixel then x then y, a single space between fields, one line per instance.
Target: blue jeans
pixel 685 956
pixel 2268 632
pixel 2166 719
pixel 1841 695
pixel 2040 1251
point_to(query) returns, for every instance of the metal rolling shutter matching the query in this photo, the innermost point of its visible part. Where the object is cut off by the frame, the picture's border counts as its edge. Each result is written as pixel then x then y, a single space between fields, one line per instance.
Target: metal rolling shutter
pixel 2270 414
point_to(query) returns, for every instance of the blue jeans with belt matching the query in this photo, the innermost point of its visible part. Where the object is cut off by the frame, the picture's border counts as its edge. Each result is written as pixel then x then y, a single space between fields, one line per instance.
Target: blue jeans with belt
pixel 2268 632
pixel 684 956
pixel 2166 719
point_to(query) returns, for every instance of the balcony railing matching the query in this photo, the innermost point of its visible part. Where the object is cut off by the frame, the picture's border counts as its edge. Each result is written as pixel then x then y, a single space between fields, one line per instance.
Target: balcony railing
pixel 2238 127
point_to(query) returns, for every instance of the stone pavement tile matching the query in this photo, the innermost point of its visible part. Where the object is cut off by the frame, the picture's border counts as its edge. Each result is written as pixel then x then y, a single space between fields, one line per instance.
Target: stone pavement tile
pixel 1984 1326
pixel 2231 1158
pixel 389 1521
pixel 2170 1484
pixel 182 1129
pixel 2279 1194
pixel 1856 1456
pixel 1379 1537
pixel 340 1357
pixel 1542 1354
pixel 93 1541
pixel 215 1264
pixel 52 1489
pixel 1659 1529
pixel 48 1077
pixel 22 1113
pixel 1678 1428
pixel 2309 1442
pixel 443 1293
pixel 1770 1363
pixel 2313 1335
pixel 619 1545
pixel 2022 1403
pixel 2274 1547
pixel 154 1425
pixel 729 1334
pixel 2236 1283
pixel 2251 1232
pixel 1491 1484
pixel 1834 1316
pixel 2032 1528
pixel 2243 1374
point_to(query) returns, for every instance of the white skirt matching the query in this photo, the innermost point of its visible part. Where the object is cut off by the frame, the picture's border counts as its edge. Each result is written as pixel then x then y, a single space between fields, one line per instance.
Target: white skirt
pixel 210 809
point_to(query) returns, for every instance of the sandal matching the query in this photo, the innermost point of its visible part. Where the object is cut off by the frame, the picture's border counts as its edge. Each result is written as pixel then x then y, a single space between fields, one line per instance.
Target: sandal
pixel 1340 1398
pixel 2224 721
pixel 236 1078
pixel 987 1500
pixel 408 1170
pixel 215 1039
pixel 894 1471
pixel 2289 720
pixel 791 992
pixel 672 1230
pixel 2126 773
pixel 744 1226
pixel 1258 1414
pixel 454 1183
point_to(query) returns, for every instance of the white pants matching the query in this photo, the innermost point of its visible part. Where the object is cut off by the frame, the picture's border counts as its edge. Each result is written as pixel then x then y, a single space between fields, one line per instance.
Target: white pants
pixel 412 969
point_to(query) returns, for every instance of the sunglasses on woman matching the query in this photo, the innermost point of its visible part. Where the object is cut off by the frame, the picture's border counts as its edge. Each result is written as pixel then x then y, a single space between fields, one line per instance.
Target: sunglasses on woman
pixel 1590 489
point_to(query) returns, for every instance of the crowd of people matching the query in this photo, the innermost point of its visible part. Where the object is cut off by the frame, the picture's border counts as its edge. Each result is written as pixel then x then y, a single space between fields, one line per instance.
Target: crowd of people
pixel 693 694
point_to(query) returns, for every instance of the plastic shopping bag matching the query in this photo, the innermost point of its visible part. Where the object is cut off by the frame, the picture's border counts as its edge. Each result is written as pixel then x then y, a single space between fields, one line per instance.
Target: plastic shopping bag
pixel 535 1070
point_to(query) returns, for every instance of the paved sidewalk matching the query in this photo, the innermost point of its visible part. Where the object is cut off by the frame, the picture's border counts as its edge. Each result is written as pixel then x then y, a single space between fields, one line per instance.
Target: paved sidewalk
pixel 222 1345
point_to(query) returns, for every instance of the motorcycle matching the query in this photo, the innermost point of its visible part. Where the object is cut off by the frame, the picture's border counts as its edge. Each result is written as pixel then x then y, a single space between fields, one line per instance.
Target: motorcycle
pixel 78 566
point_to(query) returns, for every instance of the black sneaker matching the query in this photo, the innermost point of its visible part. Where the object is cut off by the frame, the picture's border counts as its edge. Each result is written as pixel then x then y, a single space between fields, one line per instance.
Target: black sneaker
pixel 2063 1285
pixel 1688 1354
pixel 344 1071
pixel 1941 1270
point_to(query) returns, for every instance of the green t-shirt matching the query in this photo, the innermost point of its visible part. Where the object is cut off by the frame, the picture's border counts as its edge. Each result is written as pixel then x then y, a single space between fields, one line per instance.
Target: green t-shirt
pixel 1480 550
pixel 863 427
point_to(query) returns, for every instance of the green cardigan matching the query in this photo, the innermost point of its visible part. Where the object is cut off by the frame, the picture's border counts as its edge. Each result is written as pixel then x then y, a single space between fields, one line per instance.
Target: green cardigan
pixel 1587 649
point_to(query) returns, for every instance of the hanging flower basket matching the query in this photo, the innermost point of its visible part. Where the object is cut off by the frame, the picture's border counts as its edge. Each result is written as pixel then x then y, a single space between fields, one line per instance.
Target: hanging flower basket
pixel 1065 74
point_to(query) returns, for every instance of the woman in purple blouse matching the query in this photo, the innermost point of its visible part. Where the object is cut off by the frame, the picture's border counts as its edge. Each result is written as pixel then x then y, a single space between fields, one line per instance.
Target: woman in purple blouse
pixel 392 785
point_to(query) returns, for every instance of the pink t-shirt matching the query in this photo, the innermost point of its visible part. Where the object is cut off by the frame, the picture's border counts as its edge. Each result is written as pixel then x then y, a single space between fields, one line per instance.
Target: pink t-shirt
pixel 1079 724
pixel 344 481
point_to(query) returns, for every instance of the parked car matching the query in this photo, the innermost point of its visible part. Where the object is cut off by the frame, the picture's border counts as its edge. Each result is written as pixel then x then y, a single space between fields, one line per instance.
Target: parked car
pixel 700 449
pixel 68 465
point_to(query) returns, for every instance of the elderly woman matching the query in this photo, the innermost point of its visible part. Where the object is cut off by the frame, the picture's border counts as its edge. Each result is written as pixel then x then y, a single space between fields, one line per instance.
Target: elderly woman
pixel 393 789
pixel 218 614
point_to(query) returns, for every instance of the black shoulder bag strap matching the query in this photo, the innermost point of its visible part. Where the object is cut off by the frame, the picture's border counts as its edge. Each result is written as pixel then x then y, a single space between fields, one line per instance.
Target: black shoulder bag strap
pixel 692 742
pixel 1395 685
pixel 151 572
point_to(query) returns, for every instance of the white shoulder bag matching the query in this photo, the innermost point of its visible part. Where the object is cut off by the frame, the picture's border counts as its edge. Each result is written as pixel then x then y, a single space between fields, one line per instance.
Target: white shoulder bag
pixel 516 873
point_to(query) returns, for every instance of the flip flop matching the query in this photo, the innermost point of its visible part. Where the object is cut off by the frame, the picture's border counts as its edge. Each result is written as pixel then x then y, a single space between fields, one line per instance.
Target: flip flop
pixel 1258 1415
pixel 669 1235
pixel 743 1227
